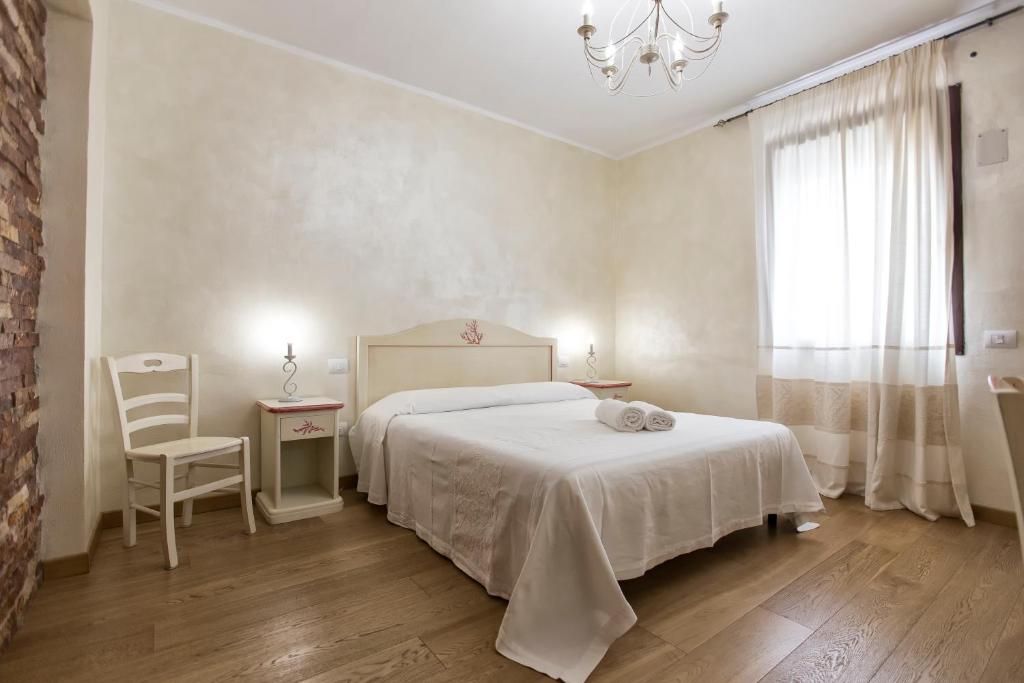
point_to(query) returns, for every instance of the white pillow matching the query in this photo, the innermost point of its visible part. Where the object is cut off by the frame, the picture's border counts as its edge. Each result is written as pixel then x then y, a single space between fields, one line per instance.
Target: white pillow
pixel 367 435
pixel 421 401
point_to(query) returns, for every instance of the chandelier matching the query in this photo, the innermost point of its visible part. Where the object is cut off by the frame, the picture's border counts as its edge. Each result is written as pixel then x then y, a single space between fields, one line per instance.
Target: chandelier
pixel 654 38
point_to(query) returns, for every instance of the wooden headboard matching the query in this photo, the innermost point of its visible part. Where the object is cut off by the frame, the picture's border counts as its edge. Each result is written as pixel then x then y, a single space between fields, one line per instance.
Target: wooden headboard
pixel 450 353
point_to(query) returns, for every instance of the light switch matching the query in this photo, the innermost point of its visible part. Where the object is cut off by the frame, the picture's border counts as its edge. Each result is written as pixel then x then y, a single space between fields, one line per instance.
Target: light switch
pixel 337 366
pixel 563 361
pixel 1000 339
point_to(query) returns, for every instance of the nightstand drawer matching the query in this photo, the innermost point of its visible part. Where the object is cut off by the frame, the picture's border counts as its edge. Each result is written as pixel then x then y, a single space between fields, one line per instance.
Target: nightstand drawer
pixel 618 393
pixel 307 426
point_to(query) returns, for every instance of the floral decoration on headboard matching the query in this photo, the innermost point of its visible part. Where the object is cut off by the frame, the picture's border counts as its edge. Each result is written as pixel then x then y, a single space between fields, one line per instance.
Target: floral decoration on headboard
pixel 472 333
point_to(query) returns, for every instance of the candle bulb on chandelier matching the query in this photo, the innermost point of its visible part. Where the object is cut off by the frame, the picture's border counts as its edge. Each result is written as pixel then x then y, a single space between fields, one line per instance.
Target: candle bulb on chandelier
pixel 677 48
pixel 587 11
pixel 719 6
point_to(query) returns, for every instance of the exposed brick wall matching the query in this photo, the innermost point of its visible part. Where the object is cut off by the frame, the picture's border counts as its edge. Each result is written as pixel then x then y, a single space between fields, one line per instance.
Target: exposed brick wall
pixel 23 87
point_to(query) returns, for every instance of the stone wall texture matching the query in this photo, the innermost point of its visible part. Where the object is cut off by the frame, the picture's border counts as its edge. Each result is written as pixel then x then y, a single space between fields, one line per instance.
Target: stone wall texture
pixel 23 86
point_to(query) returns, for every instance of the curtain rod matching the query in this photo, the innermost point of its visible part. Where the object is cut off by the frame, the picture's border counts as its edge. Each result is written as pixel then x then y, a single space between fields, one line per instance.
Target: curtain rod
pixel 984 22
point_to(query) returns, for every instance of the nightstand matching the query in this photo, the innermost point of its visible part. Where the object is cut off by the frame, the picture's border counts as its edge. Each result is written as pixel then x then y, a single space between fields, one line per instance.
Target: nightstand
pixel 606 388
pixel 298 459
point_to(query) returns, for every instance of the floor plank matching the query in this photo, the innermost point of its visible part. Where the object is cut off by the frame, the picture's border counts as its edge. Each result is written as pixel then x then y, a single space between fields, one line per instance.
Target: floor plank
pixel 894 530
pixel 745 651
pixel 955 637
pixel 308 641
pixel 468 637
pixel 852 644
pixel 752 567
pixel 409 660
pixel 1007 660
pixel 637 656
pixel 812 599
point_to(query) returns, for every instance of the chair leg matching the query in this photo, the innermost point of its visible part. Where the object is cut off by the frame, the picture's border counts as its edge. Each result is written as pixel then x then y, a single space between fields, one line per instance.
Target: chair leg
pixel 245 489
pixel 128 513
pixel 186 505
pixel 167 512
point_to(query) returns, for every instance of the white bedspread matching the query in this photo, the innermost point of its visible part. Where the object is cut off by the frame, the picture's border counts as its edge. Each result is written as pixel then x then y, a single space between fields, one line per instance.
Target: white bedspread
pixel 549 508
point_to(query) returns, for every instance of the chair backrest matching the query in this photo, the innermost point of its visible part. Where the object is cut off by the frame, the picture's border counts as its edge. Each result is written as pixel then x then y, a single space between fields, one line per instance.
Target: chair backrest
pixel 1009 393
pixel 144 363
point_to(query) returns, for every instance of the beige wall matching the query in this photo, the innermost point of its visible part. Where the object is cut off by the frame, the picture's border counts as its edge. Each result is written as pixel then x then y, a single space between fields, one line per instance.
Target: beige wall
pixel 993 97
pixel 685 290
pixel 95 383
pixel 686 304
pixel 62 354
pixel 254 196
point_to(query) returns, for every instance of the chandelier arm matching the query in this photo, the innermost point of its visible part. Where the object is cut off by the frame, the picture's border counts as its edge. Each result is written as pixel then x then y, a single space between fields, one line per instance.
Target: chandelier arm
pixel 643 22
pixel 702 72
pixel 703 57
pixel 597 54
pixel 684 29
pixel 616 86
pixel 593 58
pixel 698 55
pixel 590 70
pixel 707 65
pixel 704 53
pixel 671 76
pixel 637 39
pixel 713 47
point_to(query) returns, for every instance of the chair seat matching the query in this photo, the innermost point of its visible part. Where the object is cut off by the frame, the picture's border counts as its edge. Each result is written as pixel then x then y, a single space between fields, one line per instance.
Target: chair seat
pixel 181 448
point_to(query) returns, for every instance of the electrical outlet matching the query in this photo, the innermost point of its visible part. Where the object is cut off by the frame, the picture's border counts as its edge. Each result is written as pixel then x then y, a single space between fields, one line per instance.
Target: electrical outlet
pixel 1000 339
pixel 337 366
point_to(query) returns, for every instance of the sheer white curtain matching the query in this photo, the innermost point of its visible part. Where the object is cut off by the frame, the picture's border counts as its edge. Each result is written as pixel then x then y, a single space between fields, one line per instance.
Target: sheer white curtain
pixel 854 187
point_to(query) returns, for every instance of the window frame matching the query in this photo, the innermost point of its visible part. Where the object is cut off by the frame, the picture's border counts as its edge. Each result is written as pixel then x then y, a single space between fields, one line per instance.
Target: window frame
pixel 957 281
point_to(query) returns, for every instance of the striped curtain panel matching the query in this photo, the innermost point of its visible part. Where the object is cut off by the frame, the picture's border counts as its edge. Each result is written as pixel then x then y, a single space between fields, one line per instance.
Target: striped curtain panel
pixel 854 232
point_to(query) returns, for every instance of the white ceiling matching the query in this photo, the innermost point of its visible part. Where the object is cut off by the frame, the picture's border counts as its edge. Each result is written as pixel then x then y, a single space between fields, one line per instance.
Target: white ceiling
pixel 522 60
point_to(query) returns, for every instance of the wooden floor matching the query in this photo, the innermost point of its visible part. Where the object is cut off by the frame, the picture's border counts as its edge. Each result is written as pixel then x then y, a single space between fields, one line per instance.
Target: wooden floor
pixel 349 597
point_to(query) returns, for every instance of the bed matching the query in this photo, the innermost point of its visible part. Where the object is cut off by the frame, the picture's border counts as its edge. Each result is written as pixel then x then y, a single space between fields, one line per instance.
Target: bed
pixel 464 434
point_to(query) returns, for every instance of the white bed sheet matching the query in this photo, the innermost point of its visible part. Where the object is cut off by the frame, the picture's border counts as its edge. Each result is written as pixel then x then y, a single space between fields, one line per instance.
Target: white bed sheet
pixel 549 508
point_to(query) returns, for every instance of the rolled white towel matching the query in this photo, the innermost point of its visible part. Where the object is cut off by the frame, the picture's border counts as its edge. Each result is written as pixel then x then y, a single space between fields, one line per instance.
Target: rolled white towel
pixel 620 415
pixel 655 419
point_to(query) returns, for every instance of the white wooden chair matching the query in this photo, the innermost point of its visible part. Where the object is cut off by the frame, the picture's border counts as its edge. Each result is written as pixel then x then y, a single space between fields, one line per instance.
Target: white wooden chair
pixel 1009 393
pixel 190 452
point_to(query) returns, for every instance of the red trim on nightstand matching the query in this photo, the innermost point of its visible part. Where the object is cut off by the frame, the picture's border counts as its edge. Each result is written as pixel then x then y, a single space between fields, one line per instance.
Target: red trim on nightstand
pixel 301 408
pixel 601 384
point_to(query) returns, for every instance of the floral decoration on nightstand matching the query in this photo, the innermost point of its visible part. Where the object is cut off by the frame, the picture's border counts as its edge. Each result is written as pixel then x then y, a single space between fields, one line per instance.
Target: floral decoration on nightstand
pixel 307 427
pixel 472 333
